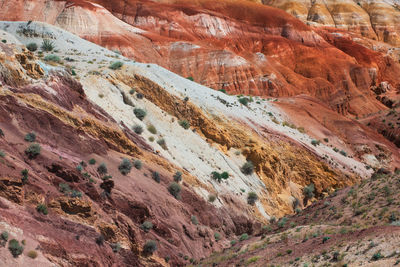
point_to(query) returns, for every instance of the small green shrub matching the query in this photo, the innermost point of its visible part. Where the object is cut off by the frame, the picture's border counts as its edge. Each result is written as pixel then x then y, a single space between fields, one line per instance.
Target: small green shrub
pixel 138 164
pixel 15 248
pixel 125 166
pixel 146 226
pixel 244 101
pixel 52 58
pixel 161 142
pixel 190 78
pixel 47 45
pixel 42 208
pixel 233 242
pixel 151 129
pixel 243 237
pixel 79 168
pixel 377 256
pixel 344 153
pixel 151 138
pixel 30 137
pixel 175 190
pixel 178 176
pixel 2 154
pixel 225 175
pixel 32 47
pixel 4 236
pixel 252 198
pixel 247 168
pixel 216 176
pixel 156 176
pixel 92 161
pixel 212 198
pixel 139 113
pixel 137 129
pixel 150 247
pixel 116 65
pixel 217 236
pixel 185 124
pixel 33 151
pixel 315 142
pixel 102 169
pixel 308 191
pixel 1 133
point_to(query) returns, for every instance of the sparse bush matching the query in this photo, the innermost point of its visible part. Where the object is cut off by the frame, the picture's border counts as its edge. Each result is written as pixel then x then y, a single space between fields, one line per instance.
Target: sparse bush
pixel 139 95
pixel 377 256
pixel 247 168
pixel 178 176
pixel 47 45
pixel 137 129
pixel 116 65
pixel 4 236
pixel 344 153
pixel 64 188
pixel 15 248
pixel 30 137
pixel 225 175
pixel 102 169
pixel 32 254
pixel 52 58
pixel 233 242
pixel 146 226
pixel 138 164
pixel 216 176
pixel 32 47
pixel 308 192
pixel 175 190
pixel 244 101
pixel 185 124
pixel 282 222
pixel 2 154
pixel 92 161
pixel 252 198
pixel 33 151
pixel 1 133
pixel 162 143
pixel 151 139
pixel 212 198
pixel 150 247
pixel 156 176
pixel 315 142
pixel 79 168
pixel 325 239
pixel 42 208
pixel 243 237
pixel 217 236
pixel 151 129
pixel 139 113
pixel 125 166
pixel 194 220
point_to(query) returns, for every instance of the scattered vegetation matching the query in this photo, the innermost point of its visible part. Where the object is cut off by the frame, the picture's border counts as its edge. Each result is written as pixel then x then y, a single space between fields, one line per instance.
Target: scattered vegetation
pixel 139 113
pixel 194 220
pixel 125 166
pixel 137 164
pixel 244 101
pixel 315 142
pixel 156 176
pixel 32 254
pixel 185 124
pixel 116 65
pixel 137 129
pixel 42 208
pixel 146 226
pixel 15 248
pixel 47 45
pixel 52 58
pixel 247 168
pixel 33 151
pixel 102 169
pixel 178 177
pixel 32 47
pixel 212 198
pixel 92 161
pixel 30 137
pixel 150 247
pixel 24 174
pixel 252 198
pixel 175 190
pixel 161 142
pixel 151 129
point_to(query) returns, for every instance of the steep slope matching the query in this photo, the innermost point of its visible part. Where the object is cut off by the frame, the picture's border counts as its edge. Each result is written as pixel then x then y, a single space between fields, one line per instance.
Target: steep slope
pixel 238 46
pixel 357 226
pixel 186 127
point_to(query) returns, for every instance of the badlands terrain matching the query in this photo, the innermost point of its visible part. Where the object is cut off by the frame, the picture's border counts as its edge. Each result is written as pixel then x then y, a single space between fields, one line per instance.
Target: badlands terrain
pixel 199 133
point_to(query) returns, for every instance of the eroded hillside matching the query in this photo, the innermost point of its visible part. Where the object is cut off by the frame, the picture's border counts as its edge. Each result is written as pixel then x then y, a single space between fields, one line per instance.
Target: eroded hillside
pixel 107 136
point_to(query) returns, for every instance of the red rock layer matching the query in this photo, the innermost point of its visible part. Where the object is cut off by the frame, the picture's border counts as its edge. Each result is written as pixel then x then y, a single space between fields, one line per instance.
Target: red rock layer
pixel 238 46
